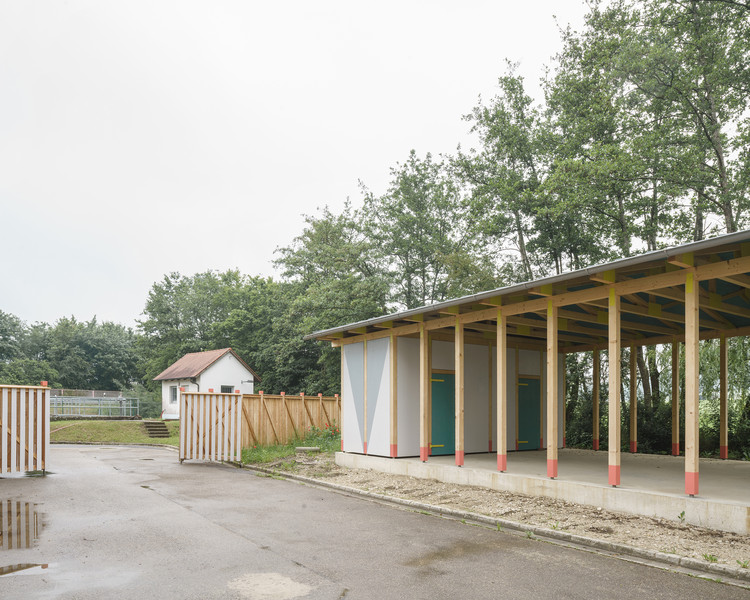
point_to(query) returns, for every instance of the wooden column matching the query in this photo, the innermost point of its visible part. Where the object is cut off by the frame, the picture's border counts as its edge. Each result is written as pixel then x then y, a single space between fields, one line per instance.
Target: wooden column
pixel 394 396
pixel 553 389
pixel 691 384
pixel 489 396
pixel 595 398
pixel 458 346
pixel 723 413
pixel 424 390
pixel 614 387
pixel 341 410
pixel 675 398
pixel 633 401
pixel 364 411
pixel 502 392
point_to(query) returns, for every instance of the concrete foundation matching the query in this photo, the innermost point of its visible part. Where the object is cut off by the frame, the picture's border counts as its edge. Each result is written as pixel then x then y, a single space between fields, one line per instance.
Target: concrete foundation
pixel 651 485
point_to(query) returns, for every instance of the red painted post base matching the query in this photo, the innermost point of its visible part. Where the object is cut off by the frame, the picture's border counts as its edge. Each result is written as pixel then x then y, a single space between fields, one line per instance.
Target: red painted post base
pixel 365 447
pixel 342 444
pixel 502 462
pixel 676 449
pixel 724 452
pixel 459 458
pixel 516 445
pixel 394 450
pixel 552 467
pixel 614 474
pixel 429 450
pixel 691 483
pixel 596 444
pixel 633 447
pixel 423 453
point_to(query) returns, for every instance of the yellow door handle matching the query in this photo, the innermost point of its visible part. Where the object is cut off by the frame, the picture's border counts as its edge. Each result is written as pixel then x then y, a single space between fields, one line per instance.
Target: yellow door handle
pixel 523 441
pixel 437 445
pixel 438 380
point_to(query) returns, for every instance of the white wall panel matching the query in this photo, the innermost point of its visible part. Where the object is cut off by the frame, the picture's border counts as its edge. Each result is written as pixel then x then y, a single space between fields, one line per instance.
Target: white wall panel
pixel 408 396
pixel 443 356
pixel 353 397
pixel 378 397
pixel 476 398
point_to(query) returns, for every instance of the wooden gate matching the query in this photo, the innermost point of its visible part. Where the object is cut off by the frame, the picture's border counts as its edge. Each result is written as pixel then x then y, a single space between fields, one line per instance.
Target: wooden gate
pixel 24 428
pixel 210 426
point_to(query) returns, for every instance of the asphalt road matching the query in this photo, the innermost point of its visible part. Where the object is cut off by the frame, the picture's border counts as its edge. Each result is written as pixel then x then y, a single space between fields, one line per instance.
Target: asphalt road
pixel 116 522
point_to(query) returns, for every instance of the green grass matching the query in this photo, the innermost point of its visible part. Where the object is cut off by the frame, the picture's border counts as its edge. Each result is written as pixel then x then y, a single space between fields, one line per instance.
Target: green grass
pixel 328 440
pixel 110 432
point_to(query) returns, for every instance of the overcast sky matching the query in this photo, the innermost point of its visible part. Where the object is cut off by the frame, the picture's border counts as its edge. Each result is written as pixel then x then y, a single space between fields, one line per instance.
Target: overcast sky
pixel 140 138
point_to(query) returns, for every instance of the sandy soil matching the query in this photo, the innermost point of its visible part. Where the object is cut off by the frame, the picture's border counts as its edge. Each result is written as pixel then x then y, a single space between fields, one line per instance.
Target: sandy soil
pixel 673 537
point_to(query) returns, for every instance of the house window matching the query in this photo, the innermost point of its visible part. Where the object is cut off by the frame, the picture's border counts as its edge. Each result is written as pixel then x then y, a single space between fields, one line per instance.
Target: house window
pixel 173 394
pixel 227 389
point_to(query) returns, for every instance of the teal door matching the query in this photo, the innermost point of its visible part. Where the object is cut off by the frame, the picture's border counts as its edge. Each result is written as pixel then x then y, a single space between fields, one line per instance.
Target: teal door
pixel 529 413
pixel 443 413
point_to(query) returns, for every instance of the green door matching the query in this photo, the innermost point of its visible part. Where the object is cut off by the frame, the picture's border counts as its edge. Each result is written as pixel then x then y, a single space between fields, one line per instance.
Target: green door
pixel 529 413
pixel 443 413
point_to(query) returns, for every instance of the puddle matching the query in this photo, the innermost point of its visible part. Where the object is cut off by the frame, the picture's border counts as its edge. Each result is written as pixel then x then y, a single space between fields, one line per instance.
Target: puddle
pixel 27 569
pixel 20 525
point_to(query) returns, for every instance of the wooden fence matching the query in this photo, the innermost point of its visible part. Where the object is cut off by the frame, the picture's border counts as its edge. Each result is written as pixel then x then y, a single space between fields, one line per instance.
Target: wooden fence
pixel 269 419
pixel 24 428
pixel 19 525
pixel 210 426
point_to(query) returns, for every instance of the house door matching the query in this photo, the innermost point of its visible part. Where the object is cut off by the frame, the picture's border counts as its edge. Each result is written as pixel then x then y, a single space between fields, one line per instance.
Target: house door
pixel 443 413
pixel 529 413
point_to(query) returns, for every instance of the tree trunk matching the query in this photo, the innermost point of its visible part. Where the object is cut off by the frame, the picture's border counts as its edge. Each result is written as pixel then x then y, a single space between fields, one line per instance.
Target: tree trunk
pixel 645 380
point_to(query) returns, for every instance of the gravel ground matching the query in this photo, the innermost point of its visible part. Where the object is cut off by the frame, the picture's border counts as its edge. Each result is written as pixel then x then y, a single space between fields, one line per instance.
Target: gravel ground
pixel 672 537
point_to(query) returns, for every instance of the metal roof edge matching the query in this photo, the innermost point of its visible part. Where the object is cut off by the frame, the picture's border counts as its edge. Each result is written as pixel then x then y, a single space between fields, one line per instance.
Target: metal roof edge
pixel 663 253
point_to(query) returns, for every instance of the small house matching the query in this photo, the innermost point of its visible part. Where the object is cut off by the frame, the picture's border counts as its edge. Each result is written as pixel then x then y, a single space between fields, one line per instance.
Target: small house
pixel 220 371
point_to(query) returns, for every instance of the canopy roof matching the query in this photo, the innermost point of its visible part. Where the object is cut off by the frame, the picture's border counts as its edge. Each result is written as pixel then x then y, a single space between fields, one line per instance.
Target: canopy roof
pixel 651 288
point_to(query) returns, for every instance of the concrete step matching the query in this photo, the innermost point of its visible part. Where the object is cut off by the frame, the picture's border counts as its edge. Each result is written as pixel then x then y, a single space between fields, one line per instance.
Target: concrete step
pixel 156 429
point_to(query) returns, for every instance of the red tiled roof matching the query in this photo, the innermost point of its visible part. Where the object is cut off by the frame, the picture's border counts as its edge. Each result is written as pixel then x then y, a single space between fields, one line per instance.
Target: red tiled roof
pixel 193 364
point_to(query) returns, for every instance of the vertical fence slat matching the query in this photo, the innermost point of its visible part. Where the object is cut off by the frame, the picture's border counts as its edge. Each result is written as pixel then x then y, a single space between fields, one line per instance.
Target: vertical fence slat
pixel 5 432
pixel 13 428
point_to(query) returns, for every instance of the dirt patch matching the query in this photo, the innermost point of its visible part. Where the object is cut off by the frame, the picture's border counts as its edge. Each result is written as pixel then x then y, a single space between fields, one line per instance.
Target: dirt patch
pixel 672 537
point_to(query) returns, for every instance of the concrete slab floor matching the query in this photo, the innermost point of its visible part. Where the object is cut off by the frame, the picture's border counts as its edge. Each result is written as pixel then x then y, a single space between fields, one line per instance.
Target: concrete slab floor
pixel 721 480
pixel 652 485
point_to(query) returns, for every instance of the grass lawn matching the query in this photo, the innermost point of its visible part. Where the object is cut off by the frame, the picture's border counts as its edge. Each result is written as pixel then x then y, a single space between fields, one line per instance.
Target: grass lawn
pixel 328 440
pixel 110 432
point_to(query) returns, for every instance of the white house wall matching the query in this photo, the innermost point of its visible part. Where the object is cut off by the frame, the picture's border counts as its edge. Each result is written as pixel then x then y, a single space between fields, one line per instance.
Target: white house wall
pixel 226 371
pixel 353 400
pixel 378 397
pixel 171 410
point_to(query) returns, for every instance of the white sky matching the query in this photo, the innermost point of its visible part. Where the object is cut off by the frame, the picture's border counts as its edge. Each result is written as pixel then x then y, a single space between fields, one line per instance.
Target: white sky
pixel 143 137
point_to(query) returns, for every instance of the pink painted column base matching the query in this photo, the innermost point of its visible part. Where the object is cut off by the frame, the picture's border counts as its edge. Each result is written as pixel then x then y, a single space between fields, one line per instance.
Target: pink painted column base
pixel 394 450
pixel 724 452
pixel 423 454
pixel 365 447
pixel 342 444
pixel 596 444
pixel 676 449
pixel 691 483
pixel 502 462
pixel 459 458
pixel 633 447
pixel 552 467
pixel 614 475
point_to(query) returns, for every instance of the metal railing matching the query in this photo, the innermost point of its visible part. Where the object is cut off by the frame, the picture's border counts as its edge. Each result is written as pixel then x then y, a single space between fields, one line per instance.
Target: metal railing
pixel 94 407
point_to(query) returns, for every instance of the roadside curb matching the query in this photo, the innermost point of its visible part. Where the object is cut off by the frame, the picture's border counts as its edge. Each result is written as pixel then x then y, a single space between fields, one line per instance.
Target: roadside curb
pixel 709 569
pixel 173 448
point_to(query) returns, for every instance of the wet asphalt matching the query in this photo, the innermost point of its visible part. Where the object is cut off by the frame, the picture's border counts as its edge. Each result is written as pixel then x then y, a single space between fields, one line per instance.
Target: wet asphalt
pixel 118 522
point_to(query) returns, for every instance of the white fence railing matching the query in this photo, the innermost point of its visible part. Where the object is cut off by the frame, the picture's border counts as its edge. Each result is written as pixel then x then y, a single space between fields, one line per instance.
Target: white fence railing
pixel 24 428
pixel 210 426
